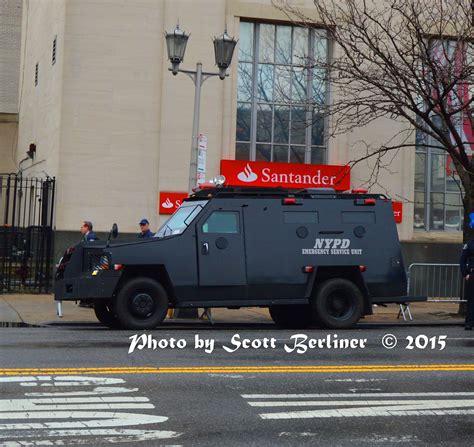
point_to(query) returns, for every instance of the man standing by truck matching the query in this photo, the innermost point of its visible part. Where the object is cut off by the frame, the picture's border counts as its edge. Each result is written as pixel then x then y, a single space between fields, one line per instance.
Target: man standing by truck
pixel 86 231
pixel 467 270
pixel 145 229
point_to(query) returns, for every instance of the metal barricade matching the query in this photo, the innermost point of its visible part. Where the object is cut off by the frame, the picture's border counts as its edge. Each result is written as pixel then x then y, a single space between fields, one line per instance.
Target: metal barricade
pixel 441 283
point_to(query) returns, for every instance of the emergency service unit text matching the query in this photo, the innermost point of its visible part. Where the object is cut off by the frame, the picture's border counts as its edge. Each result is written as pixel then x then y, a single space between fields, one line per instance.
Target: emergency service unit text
pixel 297 343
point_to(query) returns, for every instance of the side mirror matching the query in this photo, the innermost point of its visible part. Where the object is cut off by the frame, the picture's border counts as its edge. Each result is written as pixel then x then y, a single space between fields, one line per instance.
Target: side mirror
pixel 114 231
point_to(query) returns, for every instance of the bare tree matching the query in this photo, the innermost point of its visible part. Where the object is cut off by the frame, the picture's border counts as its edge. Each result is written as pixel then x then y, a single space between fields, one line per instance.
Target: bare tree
pixel 409 60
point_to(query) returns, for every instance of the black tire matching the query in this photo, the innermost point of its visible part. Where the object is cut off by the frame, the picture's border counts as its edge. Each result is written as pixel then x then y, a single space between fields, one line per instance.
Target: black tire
pixel 338 304
pixel 142 303
pixel 106 316
pixel 291 317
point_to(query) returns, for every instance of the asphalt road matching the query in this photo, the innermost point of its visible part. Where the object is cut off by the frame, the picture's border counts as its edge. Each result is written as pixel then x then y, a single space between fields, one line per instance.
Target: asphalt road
pixel 79 385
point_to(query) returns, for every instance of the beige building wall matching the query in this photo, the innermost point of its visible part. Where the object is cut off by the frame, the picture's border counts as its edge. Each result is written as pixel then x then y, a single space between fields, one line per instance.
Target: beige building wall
pixel 40 111
pixel 108 165
pixel 114 125
pixel 10 47
pixel 8 135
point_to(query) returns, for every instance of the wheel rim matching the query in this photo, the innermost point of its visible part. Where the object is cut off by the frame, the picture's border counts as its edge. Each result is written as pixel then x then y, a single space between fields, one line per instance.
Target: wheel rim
pixel 142 305
pixel 340 305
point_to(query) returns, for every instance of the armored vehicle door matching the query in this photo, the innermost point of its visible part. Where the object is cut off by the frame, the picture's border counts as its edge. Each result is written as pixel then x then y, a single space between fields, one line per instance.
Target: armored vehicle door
pixel 221 249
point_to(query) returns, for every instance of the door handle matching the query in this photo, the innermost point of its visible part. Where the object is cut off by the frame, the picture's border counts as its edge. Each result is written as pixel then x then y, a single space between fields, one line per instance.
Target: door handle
pixel 205 248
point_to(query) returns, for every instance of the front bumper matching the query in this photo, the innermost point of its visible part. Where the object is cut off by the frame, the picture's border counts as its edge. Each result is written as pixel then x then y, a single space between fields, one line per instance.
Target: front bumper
pixel 102 286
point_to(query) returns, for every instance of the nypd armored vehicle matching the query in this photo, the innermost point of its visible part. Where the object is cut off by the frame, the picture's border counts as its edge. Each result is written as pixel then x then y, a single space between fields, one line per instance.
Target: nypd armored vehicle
pixel 313 257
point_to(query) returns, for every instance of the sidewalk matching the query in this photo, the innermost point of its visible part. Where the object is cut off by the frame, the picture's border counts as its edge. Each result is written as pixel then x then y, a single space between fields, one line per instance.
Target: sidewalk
pixel 18 310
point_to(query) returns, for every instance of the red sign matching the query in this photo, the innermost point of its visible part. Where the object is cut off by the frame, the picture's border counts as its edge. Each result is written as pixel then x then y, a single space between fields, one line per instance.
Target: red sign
pixel 286 175
pixel 169 202
pixel 397 211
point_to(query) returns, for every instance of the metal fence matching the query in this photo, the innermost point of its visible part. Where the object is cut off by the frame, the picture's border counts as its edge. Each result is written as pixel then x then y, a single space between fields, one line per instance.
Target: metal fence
pixel 439 282
pixel 26 235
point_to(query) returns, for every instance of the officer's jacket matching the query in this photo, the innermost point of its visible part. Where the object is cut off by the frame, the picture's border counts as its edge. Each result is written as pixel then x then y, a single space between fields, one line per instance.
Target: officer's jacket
pixel 466 263
pixel 148 233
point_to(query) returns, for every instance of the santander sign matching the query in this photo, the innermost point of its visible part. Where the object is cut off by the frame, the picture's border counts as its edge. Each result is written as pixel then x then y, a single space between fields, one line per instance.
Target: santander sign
pixel 285 175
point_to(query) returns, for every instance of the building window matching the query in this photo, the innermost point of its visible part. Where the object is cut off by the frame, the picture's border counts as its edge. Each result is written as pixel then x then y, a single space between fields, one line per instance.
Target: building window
pixel 281 94
pixel 36 73
pixel 53 57
pixel 438 189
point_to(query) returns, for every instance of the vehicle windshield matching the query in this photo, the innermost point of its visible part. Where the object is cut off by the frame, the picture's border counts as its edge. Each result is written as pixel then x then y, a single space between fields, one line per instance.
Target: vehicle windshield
pixel 181 219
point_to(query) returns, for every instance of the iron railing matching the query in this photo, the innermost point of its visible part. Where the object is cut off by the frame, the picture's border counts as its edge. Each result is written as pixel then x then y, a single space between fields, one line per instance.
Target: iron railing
pixel 26 233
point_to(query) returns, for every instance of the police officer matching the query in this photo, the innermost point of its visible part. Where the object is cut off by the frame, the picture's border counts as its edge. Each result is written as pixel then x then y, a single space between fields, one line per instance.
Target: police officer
pixel 145 229
pixel 467 270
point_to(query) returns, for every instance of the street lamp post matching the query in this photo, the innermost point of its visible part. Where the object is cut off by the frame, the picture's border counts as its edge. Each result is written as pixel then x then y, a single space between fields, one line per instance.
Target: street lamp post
pixel 223 49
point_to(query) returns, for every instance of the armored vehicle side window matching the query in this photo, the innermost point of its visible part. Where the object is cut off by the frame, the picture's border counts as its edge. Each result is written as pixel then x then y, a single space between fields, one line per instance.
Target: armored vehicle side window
pixel 222 222
pixel 300 217
pixel 181 219
pixel 358 217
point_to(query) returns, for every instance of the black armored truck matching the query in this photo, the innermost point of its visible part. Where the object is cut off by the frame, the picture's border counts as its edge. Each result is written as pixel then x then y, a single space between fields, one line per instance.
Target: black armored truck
pixel 312 256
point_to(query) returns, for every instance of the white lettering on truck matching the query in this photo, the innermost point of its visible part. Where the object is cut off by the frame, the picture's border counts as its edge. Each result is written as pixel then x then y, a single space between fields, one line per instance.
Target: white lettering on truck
pixel 331 246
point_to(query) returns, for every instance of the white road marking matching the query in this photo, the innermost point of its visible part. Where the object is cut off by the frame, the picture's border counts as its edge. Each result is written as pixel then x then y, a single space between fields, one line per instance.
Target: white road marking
pixel 330 395
pixel 106 436
pixel 60 381
pixel 355 380
pixel 96 391
pixel 229 376
pixel 95 419
pixel 365 404
pixel 80 400
pixel 365 412
pixel 294 434
pixel 352 403
pixel 354 390
pixel 73 417
pixel 104 406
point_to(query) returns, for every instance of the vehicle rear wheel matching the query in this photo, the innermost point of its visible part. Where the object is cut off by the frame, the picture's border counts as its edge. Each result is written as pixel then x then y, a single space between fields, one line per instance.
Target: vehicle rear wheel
pixel 106 316
pixel 338 304
pixel 291 317
pixel 142 303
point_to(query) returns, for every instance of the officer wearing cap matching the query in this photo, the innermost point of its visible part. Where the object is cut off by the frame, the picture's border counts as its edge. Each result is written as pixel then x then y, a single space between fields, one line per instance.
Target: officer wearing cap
pixel 467 270
pixel 145 229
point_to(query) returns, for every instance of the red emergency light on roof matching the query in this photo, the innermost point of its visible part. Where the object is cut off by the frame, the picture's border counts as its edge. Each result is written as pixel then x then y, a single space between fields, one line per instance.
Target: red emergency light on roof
pixel 369 202
pixel 289 201
pixel 360 191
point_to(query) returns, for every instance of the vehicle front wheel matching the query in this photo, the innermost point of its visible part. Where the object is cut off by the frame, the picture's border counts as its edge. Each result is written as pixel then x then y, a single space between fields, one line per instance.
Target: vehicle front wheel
pixel 142 303
pixel 106 316
pixel 338 304
pixel 291 317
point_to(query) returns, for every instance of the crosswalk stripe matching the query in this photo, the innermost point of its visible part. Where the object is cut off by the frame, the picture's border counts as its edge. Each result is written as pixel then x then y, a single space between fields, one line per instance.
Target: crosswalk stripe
pixel 363 404
pixel 353 403
pixel 343 395
pixel 366 412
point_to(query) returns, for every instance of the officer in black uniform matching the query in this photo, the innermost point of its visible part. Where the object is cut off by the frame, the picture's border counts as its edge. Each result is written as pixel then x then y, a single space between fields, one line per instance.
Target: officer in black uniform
pixel 467 269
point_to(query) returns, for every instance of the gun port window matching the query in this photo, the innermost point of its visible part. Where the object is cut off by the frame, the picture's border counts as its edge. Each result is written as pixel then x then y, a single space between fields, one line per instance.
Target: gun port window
pixel 222 222
pixel 354 217
pixel 299 217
